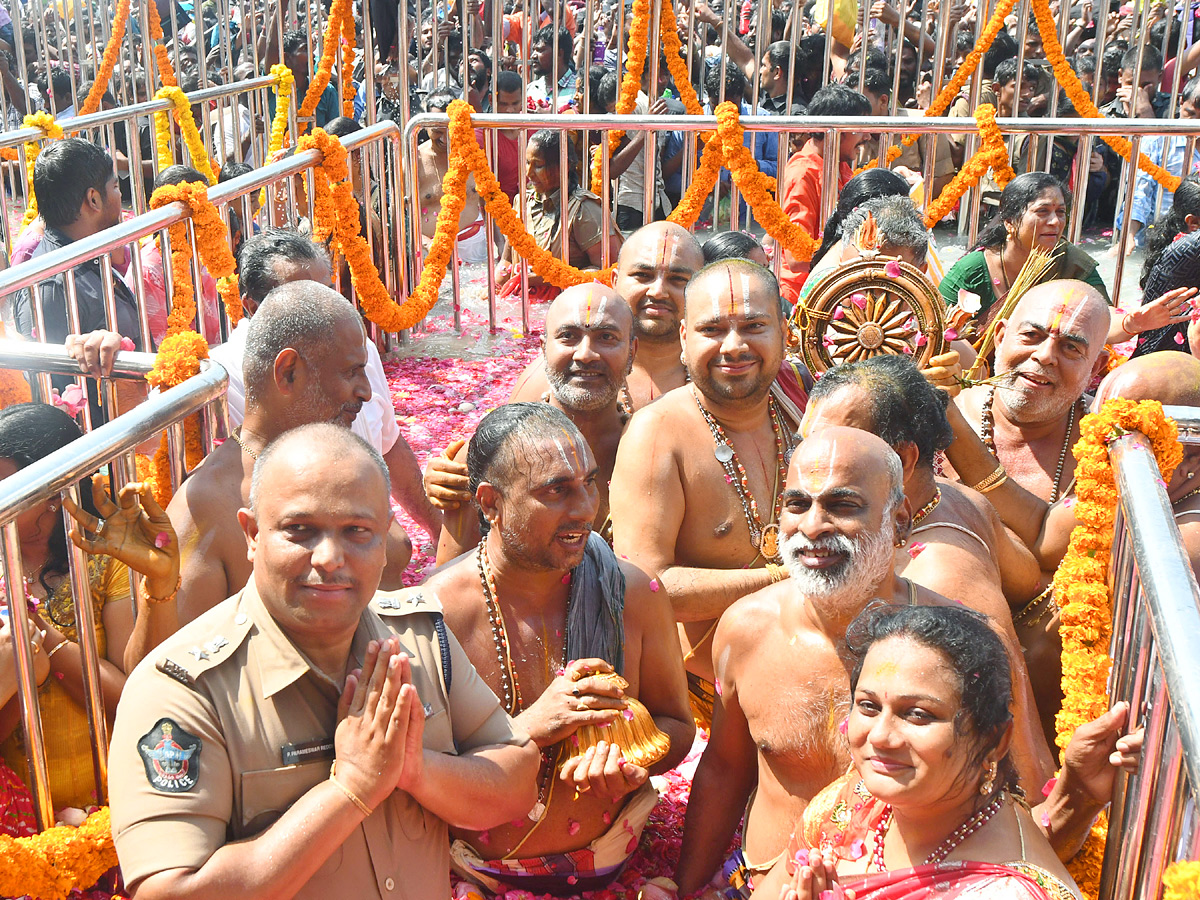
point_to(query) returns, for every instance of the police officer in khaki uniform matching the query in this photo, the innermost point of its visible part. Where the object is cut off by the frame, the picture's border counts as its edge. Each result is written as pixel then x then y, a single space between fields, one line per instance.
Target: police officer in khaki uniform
pixel 220 769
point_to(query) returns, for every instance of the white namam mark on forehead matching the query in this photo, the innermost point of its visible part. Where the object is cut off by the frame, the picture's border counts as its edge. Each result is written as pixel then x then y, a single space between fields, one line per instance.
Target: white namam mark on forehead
pixel 600 307
pixel 745 294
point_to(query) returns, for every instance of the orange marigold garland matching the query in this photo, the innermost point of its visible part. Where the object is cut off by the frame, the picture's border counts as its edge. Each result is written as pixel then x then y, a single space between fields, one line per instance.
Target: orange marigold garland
pixel 166 70
pixel 61 859
pixel 112 51
pixel 631 84
pixel 1081 585
pixel 1182 881
pixel 1082 100
pixel 191 134
pixel 347 67
pixel 334 28
pixel 992 154
pixel 53 131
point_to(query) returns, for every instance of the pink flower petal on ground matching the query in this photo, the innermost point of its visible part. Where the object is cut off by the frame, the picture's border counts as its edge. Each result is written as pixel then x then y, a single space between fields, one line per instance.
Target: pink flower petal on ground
pixel 859 300
pixel 950 334
pixel 126 344
pixel 1049 786
pixel 915 549
pixel 891 270
pixel 572 827
pixel 654 585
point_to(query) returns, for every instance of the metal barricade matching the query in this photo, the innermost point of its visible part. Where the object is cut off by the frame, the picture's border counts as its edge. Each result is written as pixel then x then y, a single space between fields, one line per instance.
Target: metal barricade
pixel 832 127
pixel 1153 820
pixel 374 162
pixel 59 474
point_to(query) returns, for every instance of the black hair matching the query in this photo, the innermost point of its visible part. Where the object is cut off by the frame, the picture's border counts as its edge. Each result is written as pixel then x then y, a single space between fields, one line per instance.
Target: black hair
pixel 549 144
pixel 608 88
pixel 340 126
pixel 438 101
pixel 546 35
pixel 730 245
pixel 1017 196
pixel 32 431
pixel 1151 60
pixel 1162 233
pixel 172 175
pixel 866 185
pixel 779 55
pixel 1110 62
pixel 735 82
pixel 904 406
pixel 295 41
pixel 964 43
pixel 1084 64
pixel 1003 47
pixel 63 174
pixel 85 90
pixel 490 452
pixel 976 655
pixel 838 100
pixel 876 81
pixel 876 59
pixel 258 255
pixel 233 169
pixel 508 82
pixel 1006 73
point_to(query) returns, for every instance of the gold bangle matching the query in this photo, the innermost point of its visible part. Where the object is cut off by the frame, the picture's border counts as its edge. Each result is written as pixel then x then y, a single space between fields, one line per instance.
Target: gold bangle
pixel 993 480
pixel 777 573
pixel 50 653
pixel 154 601
pixel 992 487
pixel 350 795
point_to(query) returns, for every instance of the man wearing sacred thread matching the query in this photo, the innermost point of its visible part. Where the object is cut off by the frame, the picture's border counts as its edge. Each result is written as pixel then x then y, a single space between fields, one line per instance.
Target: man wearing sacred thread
pixel 579 647
pixel 309 737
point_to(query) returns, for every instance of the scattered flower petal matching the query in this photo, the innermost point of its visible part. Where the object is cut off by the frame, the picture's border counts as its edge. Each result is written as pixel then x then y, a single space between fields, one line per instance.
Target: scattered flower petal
pixel 127 344
pixel 1049 786
pixel 654 585
pixel 857 851
pixel 859 299
pixel 162 539
pixel 891 270
pixel 922 340
pixel 951 334
pixel 572 827
pixel 1179 337
pixel 915 549
pixel 969 302
pixel 839 313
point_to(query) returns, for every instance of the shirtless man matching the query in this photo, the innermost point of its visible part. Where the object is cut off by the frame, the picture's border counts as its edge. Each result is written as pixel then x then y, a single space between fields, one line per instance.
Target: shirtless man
pixel 543 607
pixel 698 474
pixel 959 548
pixel 587 353
pixel 305 361
pixel 784 687
pixel 432 162
pixel 653 269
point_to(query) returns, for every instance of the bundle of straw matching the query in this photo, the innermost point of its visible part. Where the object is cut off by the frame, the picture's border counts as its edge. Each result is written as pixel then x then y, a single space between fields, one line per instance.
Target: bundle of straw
pixel 1036 266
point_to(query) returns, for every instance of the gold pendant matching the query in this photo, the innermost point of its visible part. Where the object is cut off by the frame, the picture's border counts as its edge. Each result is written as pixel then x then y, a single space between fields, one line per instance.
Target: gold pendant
pixel 770 541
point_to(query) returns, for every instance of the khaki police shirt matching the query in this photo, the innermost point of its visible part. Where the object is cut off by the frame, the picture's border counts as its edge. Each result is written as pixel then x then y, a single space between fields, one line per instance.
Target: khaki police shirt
pixel 226 724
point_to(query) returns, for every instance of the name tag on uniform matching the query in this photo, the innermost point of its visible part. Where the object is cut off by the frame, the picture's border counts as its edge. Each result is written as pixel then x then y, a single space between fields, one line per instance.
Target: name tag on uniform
pixel 309 751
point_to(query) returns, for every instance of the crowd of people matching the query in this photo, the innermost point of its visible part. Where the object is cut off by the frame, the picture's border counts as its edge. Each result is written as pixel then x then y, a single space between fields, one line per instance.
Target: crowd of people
pixel 678 537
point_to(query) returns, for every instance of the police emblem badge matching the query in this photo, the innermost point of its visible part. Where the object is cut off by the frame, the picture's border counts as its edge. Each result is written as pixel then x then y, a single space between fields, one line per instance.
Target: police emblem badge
pixel 171 757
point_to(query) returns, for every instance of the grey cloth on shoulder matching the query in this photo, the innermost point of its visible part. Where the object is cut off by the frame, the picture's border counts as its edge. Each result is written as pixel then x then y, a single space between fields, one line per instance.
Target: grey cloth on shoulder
pixel 595 623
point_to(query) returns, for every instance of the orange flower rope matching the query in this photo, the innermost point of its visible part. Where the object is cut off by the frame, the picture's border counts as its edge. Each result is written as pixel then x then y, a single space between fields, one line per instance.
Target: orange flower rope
pixel 61 859
pixel 112 51
pixel 53 131
pixel 320 80
pixel 992 154
pixel 1081 582
pixel 631 84
pixel 1182 881
pixel 347 68
pixel 14 388
pixel 166 71
pixel 1083 103
pixel 191 134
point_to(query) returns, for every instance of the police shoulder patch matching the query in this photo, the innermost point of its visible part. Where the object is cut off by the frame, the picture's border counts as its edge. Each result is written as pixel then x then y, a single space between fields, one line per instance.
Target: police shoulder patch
pixel 171 757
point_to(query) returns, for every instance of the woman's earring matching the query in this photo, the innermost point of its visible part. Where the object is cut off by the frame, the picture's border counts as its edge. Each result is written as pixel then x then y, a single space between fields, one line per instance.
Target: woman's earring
pixel 989 778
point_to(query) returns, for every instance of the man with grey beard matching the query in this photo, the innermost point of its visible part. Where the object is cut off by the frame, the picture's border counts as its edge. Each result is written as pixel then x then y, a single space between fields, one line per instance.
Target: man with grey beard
pixel 588 351
pixel 782 690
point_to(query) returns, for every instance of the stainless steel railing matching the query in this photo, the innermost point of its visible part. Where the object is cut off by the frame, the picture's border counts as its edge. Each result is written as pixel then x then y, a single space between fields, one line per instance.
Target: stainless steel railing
pixel 1155 649
pixel 59 473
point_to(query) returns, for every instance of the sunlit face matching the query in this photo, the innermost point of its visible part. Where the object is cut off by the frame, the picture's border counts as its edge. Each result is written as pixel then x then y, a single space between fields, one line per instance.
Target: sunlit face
pixel 1053 346
pixel 1043 222
pixel 589 348
pixel 1150 80
pixel 111 206
pixel 848 144
pixel 545 512
pixel 543 59
pixel 541 174
pixel 652 271
pixel 902 728
pixel 336 385
pixel 317 541
pixel 1006 93
pixel 908 63
pixel 732 336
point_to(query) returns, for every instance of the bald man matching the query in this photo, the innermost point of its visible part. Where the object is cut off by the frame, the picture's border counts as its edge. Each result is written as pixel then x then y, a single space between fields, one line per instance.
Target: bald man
pixel 305 362
pixel 653 269
pixel 698 476
pixel 783 690
pixel 1048 351
pixel 220 776
pixel 587 353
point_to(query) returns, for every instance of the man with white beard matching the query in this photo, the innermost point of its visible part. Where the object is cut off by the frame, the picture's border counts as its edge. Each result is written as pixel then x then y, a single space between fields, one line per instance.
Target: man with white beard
pixel 782 689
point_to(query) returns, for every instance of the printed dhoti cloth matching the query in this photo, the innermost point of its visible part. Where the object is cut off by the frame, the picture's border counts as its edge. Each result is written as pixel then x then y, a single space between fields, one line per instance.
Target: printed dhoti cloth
pixel 587 869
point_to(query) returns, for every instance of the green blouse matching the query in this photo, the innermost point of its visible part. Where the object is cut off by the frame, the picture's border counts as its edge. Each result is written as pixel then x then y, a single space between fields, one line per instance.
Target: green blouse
pixel 971 273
